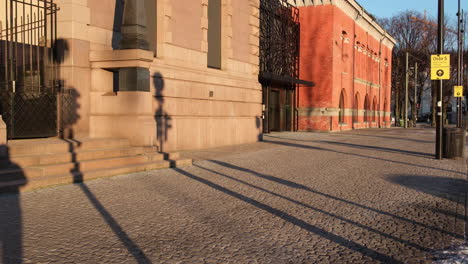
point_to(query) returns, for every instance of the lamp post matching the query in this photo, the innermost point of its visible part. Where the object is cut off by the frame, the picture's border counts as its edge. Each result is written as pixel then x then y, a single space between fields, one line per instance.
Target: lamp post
pixel 406 91
pixel 459 67
pixel 440 50
pixel 415 99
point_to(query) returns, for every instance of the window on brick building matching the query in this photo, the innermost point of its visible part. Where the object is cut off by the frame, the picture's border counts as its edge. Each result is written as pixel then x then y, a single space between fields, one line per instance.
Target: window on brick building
pixel 341 113
pixel 344 40
pixel 214 34
pixel 384 108
pixel 356 108
pixel 374 109
pixel 366 109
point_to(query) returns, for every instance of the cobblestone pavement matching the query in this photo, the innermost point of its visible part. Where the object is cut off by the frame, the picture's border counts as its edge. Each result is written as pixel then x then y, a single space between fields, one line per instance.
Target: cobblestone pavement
pixel 368 196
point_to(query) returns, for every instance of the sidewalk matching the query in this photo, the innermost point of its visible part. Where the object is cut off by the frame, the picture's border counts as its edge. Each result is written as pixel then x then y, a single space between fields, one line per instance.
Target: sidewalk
pixel 367 196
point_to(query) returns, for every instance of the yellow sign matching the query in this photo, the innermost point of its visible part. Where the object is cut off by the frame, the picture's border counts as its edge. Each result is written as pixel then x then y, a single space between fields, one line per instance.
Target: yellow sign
pixel 440 67
pixel 458 91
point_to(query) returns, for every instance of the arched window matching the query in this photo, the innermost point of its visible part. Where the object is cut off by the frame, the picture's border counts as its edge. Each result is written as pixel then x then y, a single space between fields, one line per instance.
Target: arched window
pixel 341 113
pixel 374 108
pixel 344 40
pixel 366 108
pixel 356 108
pixel 384 110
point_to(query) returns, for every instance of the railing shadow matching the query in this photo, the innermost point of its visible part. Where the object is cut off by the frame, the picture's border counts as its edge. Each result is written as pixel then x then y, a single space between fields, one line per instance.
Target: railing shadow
pixel 295 145
pixel 131 246
pixel 329 196
pixel 382 149
pixel 295 221
pixel 316 209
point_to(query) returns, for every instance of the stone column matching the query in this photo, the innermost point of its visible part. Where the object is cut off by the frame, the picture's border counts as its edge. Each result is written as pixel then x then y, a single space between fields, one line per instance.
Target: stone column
pixel 134 28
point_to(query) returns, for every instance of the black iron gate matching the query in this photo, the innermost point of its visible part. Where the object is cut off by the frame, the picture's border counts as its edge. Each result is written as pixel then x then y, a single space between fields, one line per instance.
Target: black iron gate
pixel 29 87
pixel 279 41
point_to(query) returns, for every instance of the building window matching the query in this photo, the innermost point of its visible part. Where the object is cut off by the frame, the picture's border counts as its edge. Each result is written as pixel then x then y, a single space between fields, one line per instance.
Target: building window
pixel 214 34
pixel 341 113
pixel 151 24
pixel 384 110
pixel 356 108
pixel 344 40
pixel 366 109
pixel 374 108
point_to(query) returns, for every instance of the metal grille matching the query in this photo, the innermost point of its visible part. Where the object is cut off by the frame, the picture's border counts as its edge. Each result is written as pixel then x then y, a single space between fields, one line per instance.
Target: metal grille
pixel 28 74
pixel 279 41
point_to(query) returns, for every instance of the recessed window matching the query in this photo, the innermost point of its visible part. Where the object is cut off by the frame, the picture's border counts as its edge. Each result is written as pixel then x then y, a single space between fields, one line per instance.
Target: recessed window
pixel 151 24
pixel 214 34
pixel 341 114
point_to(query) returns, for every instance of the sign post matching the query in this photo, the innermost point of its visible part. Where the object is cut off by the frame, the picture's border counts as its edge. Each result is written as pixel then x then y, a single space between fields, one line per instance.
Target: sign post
pixel 440 73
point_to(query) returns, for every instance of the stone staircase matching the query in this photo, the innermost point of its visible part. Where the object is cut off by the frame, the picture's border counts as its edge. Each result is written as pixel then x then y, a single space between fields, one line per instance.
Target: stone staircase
pixel 36 163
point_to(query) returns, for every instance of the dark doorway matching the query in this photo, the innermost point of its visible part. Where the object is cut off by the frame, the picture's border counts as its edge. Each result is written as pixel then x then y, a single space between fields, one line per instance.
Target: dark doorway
pixel 280 109
pixel 274 110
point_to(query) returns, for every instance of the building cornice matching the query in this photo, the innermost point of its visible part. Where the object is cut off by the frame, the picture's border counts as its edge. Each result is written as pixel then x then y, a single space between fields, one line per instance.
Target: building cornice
pixel 356 11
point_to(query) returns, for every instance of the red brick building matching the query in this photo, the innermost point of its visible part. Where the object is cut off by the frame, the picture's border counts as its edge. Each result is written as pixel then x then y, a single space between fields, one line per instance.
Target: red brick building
pixel 348 56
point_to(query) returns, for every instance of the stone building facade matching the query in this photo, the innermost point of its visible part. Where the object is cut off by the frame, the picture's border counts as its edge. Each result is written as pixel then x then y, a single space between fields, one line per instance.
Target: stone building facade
pixel 175 74
pixel 184 74
pixel 163 93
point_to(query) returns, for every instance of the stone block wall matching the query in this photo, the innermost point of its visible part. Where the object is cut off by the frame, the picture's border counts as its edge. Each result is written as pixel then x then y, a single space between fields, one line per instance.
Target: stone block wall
pixel 186 105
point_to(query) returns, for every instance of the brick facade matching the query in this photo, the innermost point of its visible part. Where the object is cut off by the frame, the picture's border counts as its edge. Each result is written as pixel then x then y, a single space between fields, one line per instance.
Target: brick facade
pixel 348 56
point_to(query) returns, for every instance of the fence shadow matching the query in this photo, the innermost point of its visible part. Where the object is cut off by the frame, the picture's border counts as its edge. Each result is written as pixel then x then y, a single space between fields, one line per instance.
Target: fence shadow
pixel 295 185
pixel 317 209
pixel 294 220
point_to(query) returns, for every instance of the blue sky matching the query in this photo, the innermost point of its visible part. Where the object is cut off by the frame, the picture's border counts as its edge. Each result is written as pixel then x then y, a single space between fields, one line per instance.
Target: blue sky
pixel 388 8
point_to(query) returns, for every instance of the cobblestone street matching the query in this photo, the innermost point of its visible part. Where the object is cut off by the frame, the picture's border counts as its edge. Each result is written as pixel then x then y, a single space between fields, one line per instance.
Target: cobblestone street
pixel 365 196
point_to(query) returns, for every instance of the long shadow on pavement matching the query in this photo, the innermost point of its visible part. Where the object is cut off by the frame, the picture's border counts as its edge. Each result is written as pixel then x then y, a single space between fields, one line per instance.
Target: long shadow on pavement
pixel 295 145
pixel 394 138
pixel 351 145
pixel 295 221
pixel 131 246
pixel 389 150
pixel 370 229
pixel 303 187
pixel 443 187
pixel 455 190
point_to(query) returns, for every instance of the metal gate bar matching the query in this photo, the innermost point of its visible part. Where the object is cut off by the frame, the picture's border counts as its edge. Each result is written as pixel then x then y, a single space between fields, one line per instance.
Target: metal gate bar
pixel 28 76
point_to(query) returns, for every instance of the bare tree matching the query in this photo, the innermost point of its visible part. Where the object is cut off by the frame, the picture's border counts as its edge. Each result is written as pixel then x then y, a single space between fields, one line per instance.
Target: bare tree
pixel 416 35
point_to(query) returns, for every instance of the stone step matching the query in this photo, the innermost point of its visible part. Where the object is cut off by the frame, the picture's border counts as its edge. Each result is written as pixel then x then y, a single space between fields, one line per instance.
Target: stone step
pixel 83 166
pixel 61 168
pixel 56 145
pixel 81 155
pixel 71 177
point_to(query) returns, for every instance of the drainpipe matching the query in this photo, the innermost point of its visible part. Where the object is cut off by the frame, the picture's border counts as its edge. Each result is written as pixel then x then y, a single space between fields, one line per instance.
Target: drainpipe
pixel 359 14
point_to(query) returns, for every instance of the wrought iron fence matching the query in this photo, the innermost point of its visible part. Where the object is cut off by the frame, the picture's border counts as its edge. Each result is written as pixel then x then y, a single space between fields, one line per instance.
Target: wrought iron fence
pixel 29 87
pixel 279 41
